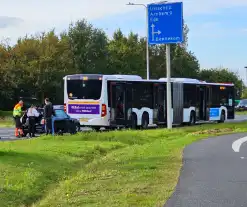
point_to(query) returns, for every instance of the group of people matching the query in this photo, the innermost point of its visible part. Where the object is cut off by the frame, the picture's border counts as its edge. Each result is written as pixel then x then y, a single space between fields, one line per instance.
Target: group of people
pixel 32 113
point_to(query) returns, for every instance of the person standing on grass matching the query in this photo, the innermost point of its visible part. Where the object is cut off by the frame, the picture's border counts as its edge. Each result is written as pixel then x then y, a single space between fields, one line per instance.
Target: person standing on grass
pixel 48 112
pixel 32 113
pixel 17 113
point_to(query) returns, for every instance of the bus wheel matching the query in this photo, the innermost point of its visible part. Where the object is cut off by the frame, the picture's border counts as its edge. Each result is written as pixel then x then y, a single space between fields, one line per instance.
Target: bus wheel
pixel 97 129
pixel 145 120
pixel 133 121
pixel 78 127
pixel 222 117
pixel 192 118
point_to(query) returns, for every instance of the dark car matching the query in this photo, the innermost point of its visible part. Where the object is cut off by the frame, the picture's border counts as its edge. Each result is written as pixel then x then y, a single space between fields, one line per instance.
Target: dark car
pixel 62 122
pixel 242 105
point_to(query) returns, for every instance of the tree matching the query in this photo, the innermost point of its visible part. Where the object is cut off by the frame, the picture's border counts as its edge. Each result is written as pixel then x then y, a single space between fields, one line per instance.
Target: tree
pixel 42 61
pixel 184 64
pixel 8 81
pixel 244 94
pixel 222 75
pixel 126 54
pixel 37 64
pixel 89 47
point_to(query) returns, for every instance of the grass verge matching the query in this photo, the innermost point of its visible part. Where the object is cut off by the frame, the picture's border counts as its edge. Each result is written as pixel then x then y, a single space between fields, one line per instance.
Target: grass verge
pixel 118 168
pixel 241 112
pixel 6 119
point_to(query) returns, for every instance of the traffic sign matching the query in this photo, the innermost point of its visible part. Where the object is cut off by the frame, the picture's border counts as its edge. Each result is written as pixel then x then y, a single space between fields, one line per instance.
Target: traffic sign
pixel 165 23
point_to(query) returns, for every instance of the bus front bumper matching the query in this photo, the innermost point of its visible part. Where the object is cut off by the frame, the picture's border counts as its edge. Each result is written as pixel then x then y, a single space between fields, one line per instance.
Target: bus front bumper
pixel 102 121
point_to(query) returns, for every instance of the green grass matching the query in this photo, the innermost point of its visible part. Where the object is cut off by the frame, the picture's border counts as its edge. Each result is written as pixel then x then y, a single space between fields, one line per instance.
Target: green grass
pixel 241 112
pixel 6 119
pixel 118 168
pixel 6 113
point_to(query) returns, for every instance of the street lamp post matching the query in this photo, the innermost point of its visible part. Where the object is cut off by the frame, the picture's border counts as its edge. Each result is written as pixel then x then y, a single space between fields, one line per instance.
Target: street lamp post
pixel 168 63
pixel 246 72
pixel 147 47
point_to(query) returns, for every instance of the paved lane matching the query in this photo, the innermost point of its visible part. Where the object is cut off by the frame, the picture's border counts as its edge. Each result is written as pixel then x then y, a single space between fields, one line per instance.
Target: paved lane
pixel 7 134
pixel 239 118
pixel 213 174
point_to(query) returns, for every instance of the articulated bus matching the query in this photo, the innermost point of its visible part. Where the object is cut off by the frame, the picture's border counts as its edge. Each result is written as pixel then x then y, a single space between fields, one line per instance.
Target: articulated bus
pixel 115 101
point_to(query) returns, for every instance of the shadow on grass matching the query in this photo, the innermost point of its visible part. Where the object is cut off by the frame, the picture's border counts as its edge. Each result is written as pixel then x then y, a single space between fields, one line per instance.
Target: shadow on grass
pixel 148 163
pixel 47 170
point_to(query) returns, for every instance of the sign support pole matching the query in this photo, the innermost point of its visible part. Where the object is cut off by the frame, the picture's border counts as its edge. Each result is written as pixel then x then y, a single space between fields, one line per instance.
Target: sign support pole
pixel 166 27
pixel 147 52
pixel 168 87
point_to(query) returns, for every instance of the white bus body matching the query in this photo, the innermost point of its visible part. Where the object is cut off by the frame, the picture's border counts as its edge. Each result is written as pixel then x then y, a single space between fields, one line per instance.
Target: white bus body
pixel 128 100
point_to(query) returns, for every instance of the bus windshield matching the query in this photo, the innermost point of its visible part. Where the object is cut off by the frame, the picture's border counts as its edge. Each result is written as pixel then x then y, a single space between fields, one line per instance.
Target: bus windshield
pixel 84 89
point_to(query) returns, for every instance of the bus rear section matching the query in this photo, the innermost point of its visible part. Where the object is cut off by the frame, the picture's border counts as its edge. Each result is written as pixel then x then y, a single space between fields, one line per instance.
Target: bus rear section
pixel 83 100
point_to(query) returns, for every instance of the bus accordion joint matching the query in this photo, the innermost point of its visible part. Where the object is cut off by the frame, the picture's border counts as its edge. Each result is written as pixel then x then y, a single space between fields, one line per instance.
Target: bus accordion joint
pixel 103 110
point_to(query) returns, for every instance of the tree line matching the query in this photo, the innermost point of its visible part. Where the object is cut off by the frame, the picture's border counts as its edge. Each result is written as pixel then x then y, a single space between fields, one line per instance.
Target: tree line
pixel 36 64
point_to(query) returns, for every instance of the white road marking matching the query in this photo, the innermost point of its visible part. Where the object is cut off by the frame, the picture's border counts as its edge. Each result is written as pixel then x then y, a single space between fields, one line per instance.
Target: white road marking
pixel 237 144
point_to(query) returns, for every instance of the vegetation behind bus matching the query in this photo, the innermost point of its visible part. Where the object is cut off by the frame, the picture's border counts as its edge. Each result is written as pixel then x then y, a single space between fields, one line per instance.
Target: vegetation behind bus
pixel 37 63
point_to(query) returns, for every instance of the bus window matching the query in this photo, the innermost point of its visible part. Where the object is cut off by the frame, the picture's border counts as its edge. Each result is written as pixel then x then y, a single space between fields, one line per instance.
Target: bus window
pixel 84 89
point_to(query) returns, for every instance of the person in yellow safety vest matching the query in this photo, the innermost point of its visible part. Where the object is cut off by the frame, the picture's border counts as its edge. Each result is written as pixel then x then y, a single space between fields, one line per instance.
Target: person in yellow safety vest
pixel 17 113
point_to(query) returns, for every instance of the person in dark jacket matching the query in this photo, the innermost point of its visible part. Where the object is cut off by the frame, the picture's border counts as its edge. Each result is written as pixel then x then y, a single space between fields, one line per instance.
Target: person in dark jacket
pixel 48 112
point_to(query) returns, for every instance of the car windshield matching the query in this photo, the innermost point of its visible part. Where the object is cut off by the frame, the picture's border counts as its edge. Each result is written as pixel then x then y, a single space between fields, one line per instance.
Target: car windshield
pixel 84 89
pixel 243 102
pixel 60 114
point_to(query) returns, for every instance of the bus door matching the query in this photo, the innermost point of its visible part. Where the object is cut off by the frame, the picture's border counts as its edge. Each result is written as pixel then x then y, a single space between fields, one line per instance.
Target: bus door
pixel 201 95
pixel 121 103
pixel 208 101
pixel 159 103
pixel 231 102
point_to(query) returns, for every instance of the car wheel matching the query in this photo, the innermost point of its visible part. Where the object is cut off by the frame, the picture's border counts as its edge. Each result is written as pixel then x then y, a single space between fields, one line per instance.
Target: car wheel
pixel 97 129
pixel 78 127
pixel 60 133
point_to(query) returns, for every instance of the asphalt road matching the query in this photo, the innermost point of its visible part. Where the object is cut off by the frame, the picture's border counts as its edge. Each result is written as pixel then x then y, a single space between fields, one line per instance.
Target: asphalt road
pixel 238 118
pixel 8 133
pixel 213 174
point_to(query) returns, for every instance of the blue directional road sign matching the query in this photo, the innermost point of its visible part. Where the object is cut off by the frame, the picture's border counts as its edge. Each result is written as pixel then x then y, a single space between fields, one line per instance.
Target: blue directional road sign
pixel 165 23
